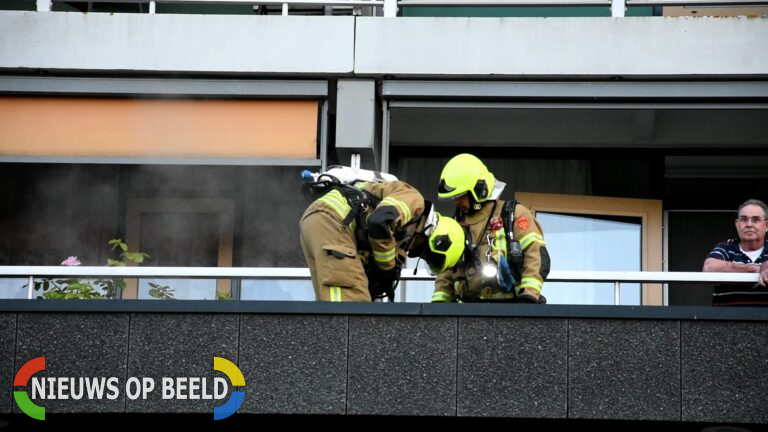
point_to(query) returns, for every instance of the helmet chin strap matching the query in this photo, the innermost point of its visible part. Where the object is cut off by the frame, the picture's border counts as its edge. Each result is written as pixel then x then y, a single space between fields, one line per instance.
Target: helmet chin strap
pixel 474 206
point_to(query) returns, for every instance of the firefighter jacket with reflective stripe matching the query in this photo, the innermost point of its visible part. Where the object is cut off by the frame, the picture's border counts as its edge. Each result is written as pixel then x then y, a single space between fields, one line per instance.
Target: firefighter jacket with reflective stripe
pixel 466 280
pixel 400 203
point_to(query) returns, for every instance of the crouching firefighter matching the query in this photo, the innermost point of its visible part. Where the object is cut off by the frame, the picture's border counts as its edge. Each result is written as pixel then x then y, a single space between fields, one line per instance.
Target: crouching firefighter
pixel 359 229
pixel 505 257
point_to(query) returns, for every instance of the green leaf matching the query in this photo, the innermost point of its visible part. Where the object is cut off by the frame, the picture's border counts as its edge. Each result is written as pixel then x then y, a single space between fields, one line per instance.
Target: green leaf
pixel 115 263
pixel 136 257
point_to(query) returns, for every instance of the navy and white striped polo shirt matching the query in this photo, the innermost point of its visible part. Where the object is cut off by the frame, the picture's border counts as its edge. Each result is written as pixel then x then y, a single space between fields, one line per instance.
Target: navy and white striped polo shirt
pixel 738 294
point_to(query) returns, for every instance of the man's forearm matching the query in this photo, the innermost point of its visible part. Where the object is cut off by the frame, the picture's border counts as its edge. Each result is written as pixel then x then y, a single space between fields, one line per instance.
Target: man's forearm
pixel 716 265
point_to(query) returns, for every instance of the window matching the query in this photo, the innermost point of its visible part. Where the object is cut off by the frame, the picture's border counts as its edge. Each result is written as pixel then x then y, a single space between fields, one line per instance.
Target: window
pixel 600 227
pixel 182 233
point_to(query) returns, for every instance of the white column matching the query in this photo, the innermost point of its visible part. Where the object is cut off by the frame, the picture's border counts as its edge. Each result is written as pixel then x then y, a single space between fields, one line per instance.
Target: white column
pixel 617 8
pixel 390 8
pixel 43 5
pixel 31 288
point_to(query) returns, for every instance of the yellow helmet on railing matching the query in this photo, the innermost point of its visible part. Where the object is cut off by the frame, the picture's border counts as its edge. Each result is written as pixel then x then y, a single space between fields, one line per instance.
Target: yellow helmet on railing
pixel 465 173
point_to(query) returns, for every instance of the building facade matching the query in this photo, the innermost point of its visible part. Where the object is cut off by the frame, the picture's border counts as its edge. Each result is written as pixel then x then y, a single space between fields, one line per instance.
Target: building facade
pixel 184 131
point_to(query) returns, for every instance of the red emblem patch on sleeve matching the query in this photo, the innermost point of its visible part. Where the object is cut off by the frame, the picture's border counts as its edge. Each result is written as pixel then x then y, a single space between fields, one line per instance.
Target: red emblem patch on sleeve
pixel 522 223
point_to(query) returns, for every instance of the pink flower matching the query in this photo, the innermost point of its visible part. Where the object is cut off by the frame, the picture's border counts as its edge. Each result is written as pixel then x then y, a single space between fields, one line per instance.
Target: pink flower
pixel 71 261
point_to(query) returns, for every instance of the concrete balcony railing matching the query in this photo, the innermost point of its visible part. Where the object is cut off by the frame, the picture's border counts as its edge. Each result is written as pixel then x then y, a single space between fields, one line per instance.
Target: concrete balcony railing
pixel 611 366
pixel 524 364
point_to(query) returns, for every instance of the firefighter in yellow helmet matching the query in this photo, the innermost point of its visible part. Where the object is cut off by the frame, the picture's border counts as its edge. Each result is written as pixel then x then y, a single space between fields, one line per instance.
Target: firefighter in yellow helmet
pixel 496 267
pixel 355 238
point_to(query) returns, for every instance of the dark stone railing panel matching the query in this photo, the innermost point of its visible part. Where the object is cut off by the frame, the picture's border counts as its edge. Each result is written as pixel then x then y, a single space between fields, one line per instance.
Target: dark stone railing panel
pixel 512 367
pixel 624 369
pixel 402 366
pixel 294 364
pixel 75 345
pixel 166 345
pixel 725 371
pixel 7 366
pixel 674 364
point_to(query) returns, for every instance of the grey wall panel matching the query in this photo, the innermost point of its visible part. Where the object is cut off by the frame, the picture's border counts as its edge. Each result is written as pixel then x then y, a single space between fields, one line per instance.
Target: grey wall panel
pixel 7 367
pixel 402 366
pixel 294 364
pixel 437 47
pixel 355 114
pixel 75 345
pixel 724 372
pixel 632 46
pixel 624 369
pixel 176 42
pixel 180 345
pixel 512 367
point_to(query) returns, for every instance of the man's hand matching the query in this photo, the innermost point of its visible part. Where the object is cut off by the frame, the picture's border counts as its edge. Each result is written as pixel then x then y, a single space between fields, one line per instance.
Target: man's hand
pixel 762 278
pixel 382 283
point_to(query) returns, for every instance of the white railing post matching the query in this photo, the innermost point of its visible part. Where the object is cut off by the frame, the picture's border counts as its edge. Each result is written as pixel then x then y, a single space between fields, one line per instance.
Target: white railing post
pixel 43 5
pixel 285 9
pixel 390 8
pixel 617 293
pixel 152 7
pixel 617 8
pixel 30 287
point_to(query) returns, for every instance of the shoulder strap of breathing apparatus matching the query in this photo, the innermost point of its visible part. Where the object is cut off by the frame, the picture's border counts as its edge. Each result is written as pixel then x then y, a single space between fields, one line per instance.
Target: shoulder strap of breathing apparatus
pixel 514 251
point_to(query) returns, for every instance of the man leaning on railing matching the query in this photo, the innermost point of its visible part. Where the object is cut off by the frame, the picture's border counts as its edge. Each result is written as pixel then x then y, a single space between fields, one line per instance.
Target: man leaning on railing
pixel 746 254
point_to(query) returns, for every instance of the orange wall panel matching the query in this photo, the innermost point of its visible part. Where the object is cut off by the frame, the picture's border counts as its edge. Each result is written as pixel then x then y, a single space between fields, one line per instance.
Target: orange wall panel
pixel 96 127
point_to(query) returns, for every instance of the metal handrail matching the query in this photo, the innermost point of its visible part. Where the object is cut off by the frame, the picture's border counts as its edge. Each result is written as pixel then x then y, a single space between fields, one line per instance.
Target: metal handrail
pixel 250 2
pixel 702 3
pixel 485 3
pixel 390 7
pixel 437 3
pixel 302 273
pixel 44 5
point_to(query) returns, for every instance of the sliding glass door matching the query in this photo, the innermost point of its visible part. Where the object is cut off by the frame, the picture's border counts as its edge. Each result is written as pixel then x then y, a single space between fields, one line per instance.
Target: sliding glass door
pixel 591 233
